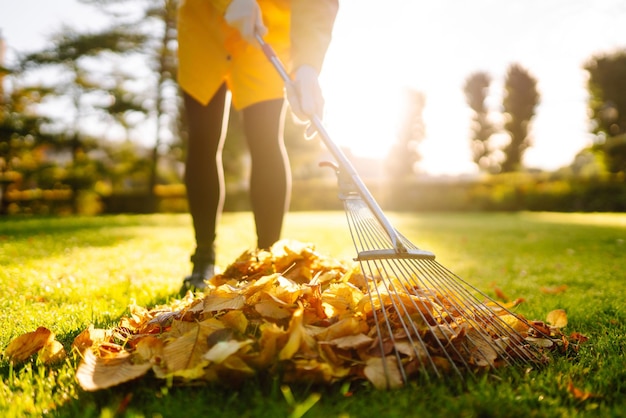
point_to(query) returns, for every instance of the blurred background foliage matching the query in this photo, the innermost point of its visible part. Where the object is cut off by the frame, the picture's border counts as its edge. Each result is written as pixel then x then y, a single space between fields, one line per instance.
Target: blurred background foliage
pixel 57 164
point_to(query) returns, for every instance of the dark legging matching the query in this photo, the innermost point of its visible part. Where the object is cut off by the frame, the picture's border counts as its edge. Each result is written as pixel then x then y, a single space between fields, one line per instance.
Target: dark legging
pixel 270 178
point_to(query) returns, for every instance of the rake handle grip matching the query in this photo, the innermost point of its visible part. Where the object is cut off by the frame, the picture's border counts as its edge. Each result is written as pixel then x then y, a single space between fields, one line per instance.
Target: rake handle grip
pixel 344 164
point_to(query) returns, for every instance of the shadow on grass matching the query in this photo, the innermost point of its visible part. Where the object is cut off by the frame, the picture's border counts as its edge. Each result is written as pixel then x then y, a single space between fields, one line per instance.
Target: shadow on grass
pixel 24 227
pixel 55 234
pixel 259 396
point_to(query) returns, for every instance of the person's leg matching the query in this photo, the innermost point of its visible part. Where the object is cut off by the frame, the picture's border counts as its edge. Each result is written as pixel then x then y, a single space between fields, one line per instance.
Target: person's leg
pixel 270 177
pixel 204 178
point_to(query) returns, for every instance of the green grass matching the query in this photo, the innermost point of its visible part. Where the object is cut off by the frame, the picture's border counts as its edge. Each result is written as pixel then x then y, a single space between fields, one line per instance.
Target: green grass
pixel 67 273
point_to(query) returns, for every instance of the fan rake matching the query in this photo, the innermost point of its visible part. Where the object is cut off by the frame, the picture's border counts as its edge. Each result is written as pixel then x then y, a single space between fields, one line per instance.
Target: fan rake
pixel 428 320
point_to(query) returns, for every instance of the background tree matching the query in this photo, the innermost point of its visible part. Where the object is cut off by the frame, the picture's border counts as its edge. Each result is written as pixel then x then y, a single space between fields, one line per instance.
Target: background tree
pixel 80 83
pixel 20 135
pixel 404 154
pixel 476 90
pixel 155 21
pixel 607 102
pixel 520 100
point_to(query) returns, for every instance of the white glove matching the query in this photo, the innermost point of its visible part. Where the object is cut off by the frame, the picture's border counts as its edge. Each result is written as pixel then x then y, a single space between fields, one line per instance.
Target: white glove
pixel 245 16
pixel 305 94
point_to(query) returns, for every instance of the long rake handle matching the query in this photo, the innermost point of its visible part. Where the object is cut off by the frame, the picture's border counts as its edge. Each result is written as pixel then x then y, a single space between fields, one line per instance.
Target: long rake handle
pixel 344 164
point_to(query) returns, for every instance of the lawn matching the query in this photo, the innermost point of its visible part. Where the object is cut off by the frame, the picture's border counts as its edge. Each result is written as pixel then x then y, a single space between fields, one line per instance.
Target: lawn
pixel 68 273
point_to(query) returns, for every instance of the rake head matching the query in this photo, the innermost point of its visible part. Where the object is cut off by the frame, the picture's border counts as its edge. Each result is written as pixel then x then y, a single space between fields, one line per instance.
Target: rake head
pixel 427 319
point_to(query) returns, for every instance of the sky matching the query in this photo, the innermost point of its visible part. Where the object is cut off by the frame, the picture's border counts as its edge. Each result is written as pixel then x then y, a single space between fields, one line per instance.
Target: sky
pixel 381 48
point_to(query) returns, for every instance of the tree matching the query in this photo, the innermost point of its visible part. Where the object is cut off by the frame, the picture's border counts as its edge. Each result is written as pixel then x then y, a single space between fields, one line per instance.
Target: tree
pixel 81 83
pixel 404 154
pixel 156 22
pixel 520 100
pixel 20 128
pixel 607 102
pixel 476 90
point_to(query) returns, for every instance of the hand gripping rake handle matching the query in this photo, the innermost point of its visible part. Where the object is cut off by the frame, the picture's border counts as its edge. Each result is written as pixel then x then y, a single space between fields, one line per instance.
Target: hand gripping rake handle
pixel 345 166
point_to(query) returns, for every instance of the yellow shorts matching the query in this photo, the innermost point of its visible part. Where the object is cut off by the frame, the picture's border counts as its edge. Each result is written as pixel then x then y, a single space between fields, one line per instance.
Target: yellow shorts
pixel 211 53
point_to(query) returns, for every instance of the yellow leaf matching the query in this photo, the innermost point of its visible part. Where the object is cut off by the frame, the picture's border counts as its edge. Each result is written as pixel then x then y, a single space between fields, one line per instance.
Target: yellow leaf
pixel 186 351
pixel 343 328
pixel 269 308
pixel 351 341
pixel 88 337
pixel 235 320
pixel 557 318
pixel 147 348
pixel 224 349
pixel 214 303
pixel 52 352
pixel 514 322
pixel 295 336
pixel 24 346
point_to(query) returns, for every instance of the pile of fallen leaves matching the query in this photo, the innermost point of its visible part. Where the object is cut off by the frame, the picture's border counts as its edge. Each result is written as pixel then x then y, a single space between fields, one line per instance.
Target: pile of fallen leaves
pixel 289 311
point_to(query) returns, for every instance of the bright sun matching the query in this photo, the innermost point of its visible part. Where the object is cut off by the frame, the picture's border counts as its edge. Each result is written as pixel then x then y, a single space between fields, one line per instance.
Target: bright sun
pixel 366 74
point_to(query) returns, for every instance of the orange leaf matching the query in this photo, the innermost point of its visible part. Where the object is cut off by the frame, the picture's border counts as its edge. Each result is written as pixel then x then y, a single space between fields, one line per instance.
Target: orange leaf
pixel 578 337
pixel 578 393
pixel 557 318
pixel 24 346
pixel 500 294
pixel 554 290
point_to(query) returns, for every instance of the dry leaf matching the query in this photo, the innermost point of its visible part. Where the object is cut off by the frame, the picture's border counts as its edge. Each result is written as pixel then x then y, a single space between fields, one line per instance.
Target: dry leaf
pixel 291 310
pixel 500 294
pixel 95 372
pixel 52 352
pixel 271 309
pixel 24 346
pixel 554 290
pixel 578 337
pixel 351 341
pixel 186 351
pixel 383 373
pixel 578 393
pixel 557 318
pixel 223 301
pixel 224 349
pixel 90 336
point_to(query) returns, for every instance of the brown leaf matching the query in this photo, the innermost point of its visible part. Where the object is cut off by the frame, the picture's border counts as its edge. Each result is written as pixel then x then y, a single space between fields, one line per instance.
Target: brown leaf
pixel 95 373
pixel 186 351
pixel 578 337
pixel 383 372
pixel 24 346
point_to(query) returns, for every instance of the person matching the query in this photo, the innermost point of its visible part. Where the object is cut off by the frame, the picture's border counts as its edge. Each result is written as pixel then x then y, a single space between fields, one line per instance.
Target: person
pixel 219 61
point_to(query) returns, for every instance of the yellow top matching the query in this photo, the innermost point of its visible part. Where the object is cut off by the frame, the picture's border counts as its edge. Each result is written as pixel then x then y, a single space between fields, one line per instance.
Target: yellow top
pixel 210 52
